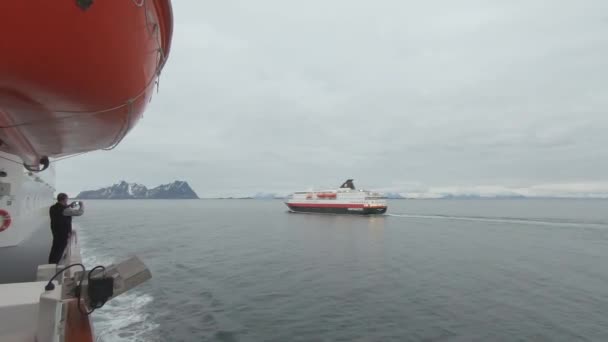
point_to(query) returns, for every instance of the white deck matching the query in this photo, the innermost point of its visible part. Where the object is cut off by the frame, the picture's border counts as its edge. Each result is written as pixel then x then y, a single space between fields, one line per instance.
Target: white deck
pixel 20 304
pixel 19 311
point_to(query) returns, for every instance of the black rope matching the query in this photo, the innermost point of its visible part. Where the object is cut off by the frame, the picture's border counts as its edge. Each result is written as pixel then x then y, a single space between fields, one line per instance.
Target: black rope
pixel 50 286
pixel 79 290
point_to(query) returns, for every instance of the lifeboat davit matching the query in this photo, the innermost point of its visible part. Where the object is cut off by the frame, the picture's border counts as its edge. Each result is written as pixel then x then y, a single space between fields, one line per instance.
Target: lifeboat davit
pixel 76 75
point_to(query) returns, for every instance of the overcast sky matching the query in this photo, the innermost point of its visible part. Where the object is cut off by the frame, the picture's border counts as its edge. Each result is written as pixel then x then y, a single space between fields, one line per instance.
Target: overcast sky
pixel 277 95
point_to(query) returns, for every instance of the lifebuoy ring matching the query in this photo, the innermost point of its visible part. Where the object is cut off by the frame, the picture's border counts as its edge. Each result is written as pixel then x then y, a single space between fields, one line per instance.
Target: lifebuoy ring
pixel 6 220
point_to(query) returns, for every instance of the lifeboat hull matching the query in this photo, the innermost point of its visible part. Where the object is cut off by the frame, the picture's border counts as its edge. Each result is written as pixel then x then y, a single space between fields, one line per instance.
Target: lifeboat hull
pixel 76 75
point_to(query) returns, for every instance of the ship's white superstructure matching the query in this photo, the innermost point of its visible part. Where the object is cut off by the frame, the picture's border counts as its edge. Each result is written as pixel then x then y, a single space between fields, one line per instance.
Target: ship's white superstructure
pixel 29 312
pixel 25 198
pixel 344 200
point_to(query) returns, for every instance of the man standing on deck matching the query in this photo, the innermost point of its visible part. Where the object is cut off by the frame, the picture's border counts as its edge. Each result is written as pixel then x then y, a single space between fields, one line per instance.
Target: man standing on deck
pixel 61 225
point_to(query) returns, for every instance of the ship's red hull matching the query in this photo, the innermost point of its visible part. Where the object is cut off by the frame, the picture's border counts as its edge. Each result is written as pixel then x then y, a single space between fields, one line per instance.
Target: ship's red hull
pixel 75 80
pixel 336 208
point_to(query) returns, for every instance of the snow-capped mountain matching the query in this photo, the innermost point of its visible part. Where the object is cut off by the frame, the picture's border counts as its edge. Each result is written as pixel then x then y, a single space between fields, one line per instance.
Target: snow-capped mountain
pixel 124 190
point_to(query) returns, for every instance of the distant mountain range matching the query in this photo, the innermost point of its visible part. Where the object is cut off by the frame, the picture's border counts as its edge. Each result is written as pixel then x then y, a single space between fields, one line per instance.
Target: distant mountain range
pixel 181 190
pixel 257 196
pixel 124 190
pixel 395 195
pixel 391 195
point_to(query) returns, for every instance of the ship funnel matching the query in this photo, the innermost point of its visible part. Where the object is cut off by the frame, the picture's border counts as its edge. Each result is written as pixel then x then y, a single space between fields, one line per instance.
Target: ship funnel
pixel 348 185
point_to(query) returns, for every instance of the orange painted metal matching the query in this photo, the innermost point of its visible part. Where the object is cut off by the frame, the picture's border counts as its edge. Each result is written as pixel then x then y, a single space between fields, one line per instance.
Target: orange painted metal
pixel 77 326
pixel 75 80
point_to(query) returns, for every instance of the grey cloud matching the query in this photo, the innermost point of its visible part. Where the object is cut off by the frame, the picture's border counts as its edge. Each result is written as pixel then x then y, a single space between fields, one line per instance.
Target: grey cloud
pixel 279 95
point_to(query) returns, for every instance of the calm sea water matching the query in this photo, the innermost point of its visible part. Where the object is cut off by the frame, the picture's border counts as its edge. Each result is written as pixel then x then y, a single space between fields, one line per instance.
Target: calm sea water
pixel 432 270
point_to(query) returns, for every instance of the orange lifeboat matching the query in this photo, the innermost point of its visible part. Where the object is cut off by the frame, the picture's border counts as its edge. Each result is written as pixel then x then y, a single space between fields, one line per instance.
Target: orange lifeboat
pixel 76 75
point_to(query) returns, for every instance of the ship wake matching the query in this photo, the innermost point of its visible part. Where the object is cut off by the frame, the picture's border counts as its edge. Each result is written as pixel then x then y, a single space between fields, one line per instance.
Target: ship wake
pixel 124 318
pixel 507 220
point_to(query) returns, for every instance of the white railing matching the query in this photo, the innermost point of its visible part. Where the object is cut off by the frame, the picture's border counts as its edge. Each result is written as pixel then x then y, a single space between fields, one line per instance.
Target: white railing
pixel 71 255
pixel 52 315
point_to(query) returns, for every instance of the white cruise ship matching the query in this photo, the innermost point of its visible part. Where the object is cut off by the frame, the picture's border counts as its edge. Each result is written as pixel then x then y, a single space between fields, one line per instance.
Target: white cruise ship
pixel 343 200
